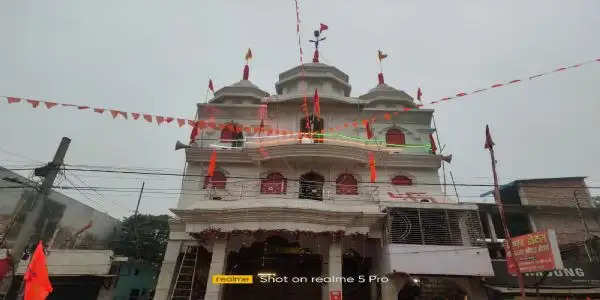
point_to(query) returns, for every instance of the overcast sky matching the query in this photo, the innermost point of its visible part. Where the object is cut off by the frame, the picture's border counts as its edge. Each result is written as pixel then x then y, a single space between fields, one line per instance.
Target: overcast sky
pixel 156 56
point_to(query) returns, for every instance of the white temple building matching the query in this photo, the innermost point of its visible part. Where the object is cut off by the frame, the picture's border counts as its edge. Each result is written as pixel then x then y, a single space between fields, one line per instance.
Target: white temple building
pixel 287 199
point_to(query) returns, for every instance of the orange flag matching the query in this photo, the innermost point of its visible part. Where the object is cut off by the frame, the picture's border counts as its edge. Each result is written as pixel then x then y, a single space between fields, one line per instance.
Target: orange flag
pixel 372 169
pixel 37 283
pixel 212 164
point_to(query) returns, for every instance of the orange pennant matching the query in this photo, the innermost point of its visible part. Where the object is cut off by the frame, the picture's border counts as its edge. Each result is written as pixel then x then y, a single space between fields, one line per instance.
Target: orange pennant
pixel 387 116
pixel 34 103
pixel 181 122
pixel 148 118
pixel 169 119
pixel 159 119
pixel 13 100
pixel 212 164
pixel 50 105
pixel 135 116
pixel 37 282
pixel 372 167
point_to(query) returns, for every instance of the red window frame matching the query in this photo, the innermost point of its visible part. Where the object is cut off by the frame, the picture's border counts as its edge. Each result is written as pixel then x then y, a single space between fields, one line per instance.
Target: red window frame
pixel 217 181
pixel 346 184
pixel 401 180
pixel 395 137
pixel 275 183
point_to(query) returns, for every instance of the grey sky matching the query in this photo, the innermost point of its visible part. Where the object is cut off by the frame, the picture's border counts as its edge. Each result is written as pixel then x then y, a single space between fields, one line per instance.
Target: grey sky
pixel 156 57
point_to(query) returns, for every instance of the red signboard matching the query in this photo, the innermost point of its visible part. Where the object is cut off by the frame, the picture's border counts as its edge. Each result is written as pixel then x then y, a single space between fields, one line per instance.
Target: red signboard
pixel 335 295
pixel 534 252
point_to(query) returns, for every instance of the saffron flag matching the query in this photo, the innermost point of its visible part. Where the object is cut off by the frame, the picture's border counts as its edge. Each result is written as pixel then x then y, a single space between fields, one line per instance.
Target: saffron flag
pixel 194 133
pixel 489 144
pixel 369 130
pixel 317 104
pixel 37 283
pixel 419 94
pixel 212 164
pixel 372 169
pixel 432 142
pixel 210 86
pixel 249 54
pixel 323 27
pixel 381 55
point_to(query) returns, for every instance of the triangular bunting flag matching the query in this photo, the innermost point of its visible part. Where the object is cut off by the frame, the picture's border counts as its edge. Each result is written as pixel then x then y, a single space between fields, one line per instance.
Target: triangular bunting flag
pixel 67 105
pixel 159 119
pixel 148 118
pixel 34 103
pixel 181 122
pixel 169 119
pixel 124 114
pixel 50 105
pixel 135 116
pixel 83 107
pixel 191 123
pixel 13 100
pixel 99 110
pixel 114 113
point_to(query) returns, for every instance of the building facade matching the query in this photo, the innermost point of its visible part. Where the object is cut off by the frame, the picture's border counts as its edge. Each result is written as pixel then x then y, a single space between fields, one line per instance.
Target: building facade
pixel 291 196
pixel 78 239
pixel 561 204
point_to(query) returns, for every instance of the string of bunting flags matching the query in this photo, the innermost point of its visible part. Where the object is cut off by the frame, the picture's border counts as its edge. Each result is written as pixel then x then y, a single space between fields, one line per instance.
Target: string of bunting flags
pixel 211 124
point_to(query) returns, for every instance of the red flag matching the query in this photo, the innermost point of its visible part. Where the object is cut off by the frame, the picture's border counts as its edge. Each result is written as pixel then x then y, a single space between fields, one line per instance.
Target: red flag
pixel 148 118
pixel 5 264
pixel 135 116
pixel 34 103
pixel 13 100
pixel 50 105
pixel 489 144
pixel 169 119
pixel 432 142
pixel 181 122
pixel 369 131
pixel 194 133
pixel 210 86
pixel 99 110
pixel 83 107
pixel 387 116
pixel 37 283
pixel 317 104
pixel 212 163
pixel 419 94
pixel 159 119
pixel 323 27
pixel 246 73
pixel 372 167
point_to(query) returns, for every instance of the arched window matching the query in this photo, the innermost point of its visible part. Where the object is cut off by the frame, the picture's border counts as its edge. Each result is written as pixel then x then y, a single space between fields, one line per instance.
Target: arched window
pixel 401 180
pixel 346 184
pixel 217 181
pixel 394 137
pixel 311 186
pixel 232 134
pixel 275 183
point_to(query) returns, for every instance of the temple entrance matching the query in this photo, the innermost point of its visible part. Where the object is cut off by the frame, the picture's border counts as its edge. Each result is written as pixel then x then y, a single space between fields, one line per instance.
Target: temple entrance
pixel 353 266
pixel 431 288
pixel 311 186
pixel 274 258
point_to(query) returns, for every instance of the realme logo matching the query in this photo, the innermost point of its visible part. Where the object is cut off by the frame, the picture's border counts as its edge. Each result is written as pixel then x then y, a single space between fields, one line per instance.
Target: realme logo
pixel 232 279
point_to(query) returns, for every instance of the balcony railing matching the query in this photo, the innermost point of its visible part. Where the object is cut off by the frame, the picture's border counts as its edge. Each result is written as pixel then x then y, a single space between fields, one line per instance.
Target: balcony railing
pixel 293 190
pixel 255 142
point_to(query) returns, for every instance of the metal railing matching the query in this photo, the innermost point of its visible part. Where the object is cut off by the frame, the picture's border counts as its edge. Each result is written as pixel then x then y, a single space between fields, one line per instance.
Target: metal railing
pixel 424 226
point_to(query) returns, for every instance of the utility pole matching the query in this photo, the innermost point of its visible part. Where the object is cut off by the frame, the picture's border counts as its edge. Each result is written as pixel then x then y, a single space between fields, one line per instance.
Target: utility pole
pixel 32 217
pixel 135 221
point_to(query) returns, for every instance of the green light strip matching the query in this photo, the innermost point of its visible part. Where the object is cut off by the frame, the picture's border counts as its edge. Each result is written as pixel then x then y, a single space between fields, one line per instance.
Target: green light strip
pixel 373 141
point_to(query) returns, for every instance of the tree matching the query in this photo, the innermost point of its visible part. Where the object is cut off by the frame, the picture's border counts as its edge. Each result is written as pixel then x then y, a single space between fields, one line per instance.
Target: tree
pixel 144 238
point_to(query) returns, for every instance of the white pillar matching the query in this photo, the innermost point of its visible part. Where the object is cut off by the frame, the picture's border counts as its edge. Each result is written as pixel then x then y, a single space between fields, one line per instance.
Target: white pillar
pixel 217 267
pixel 167 270
pixel 491 228
pixel 335 264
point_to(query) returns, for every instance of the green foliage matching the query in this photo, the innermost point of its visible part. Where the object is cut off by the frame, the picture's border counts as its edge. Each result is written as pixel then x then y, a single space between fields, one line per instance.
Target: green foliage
pixel 144 238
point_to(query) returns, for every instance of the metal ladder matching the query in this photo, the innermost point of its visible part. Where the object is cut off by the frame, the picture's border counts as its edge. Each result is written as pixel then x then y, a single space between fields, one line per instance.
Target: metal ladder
pixel 184 285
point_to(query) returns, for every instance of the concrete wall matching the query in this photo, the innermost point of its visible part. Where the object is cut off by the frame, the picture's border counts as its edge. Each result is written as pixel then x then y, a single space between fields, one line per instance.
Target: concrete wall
pixel 567 224
pixel 74 262
pixel 546 192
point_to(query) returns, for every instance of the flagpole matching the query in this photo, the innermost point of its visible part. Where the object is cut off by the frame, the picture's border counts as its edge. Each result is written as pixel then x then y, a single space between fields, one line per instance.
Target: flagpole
pixel 490 145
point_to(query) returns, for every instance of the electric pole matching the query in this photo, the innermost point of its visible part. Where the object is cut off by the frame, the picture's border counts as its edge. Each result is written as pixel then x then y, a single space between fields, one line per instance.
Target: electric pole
pixel 33 211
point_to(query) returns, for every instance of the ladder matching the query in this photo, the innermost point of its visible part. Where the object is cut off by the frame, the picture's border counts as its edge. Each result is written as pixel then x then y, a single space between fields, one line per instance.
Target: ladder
pixel 184 285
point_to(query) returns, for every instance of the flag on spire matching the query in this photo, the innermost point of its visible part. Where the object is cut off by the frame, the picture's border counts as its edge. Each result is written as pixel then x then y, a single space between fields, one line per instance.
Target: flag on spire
pixel 210 86
pixel 489 143
pixel 246 73
pixel 317 104
pixel 249 55
pixel 37 283
pixel 419 94
pixel 323 27
pixel 381 55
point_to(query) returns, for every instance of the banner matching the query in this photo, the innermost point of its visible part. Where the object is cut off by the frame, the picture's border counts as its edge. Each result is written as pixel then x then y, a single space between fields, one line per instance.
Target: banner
pixel 534 252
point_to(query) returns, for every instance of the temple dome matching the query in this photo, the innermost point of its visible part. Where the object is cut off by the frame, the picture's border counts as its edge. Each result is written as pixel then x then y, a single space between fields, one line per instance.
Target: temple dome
pixel 385 93
pixel 328 79
pixel 241 90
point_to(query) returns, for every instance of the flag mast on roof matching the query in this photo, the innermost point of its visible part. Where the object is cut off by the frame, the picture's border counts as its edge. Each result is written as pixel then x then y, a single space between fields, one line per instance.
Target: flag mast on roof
pixel 380 56
pixel 318 39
